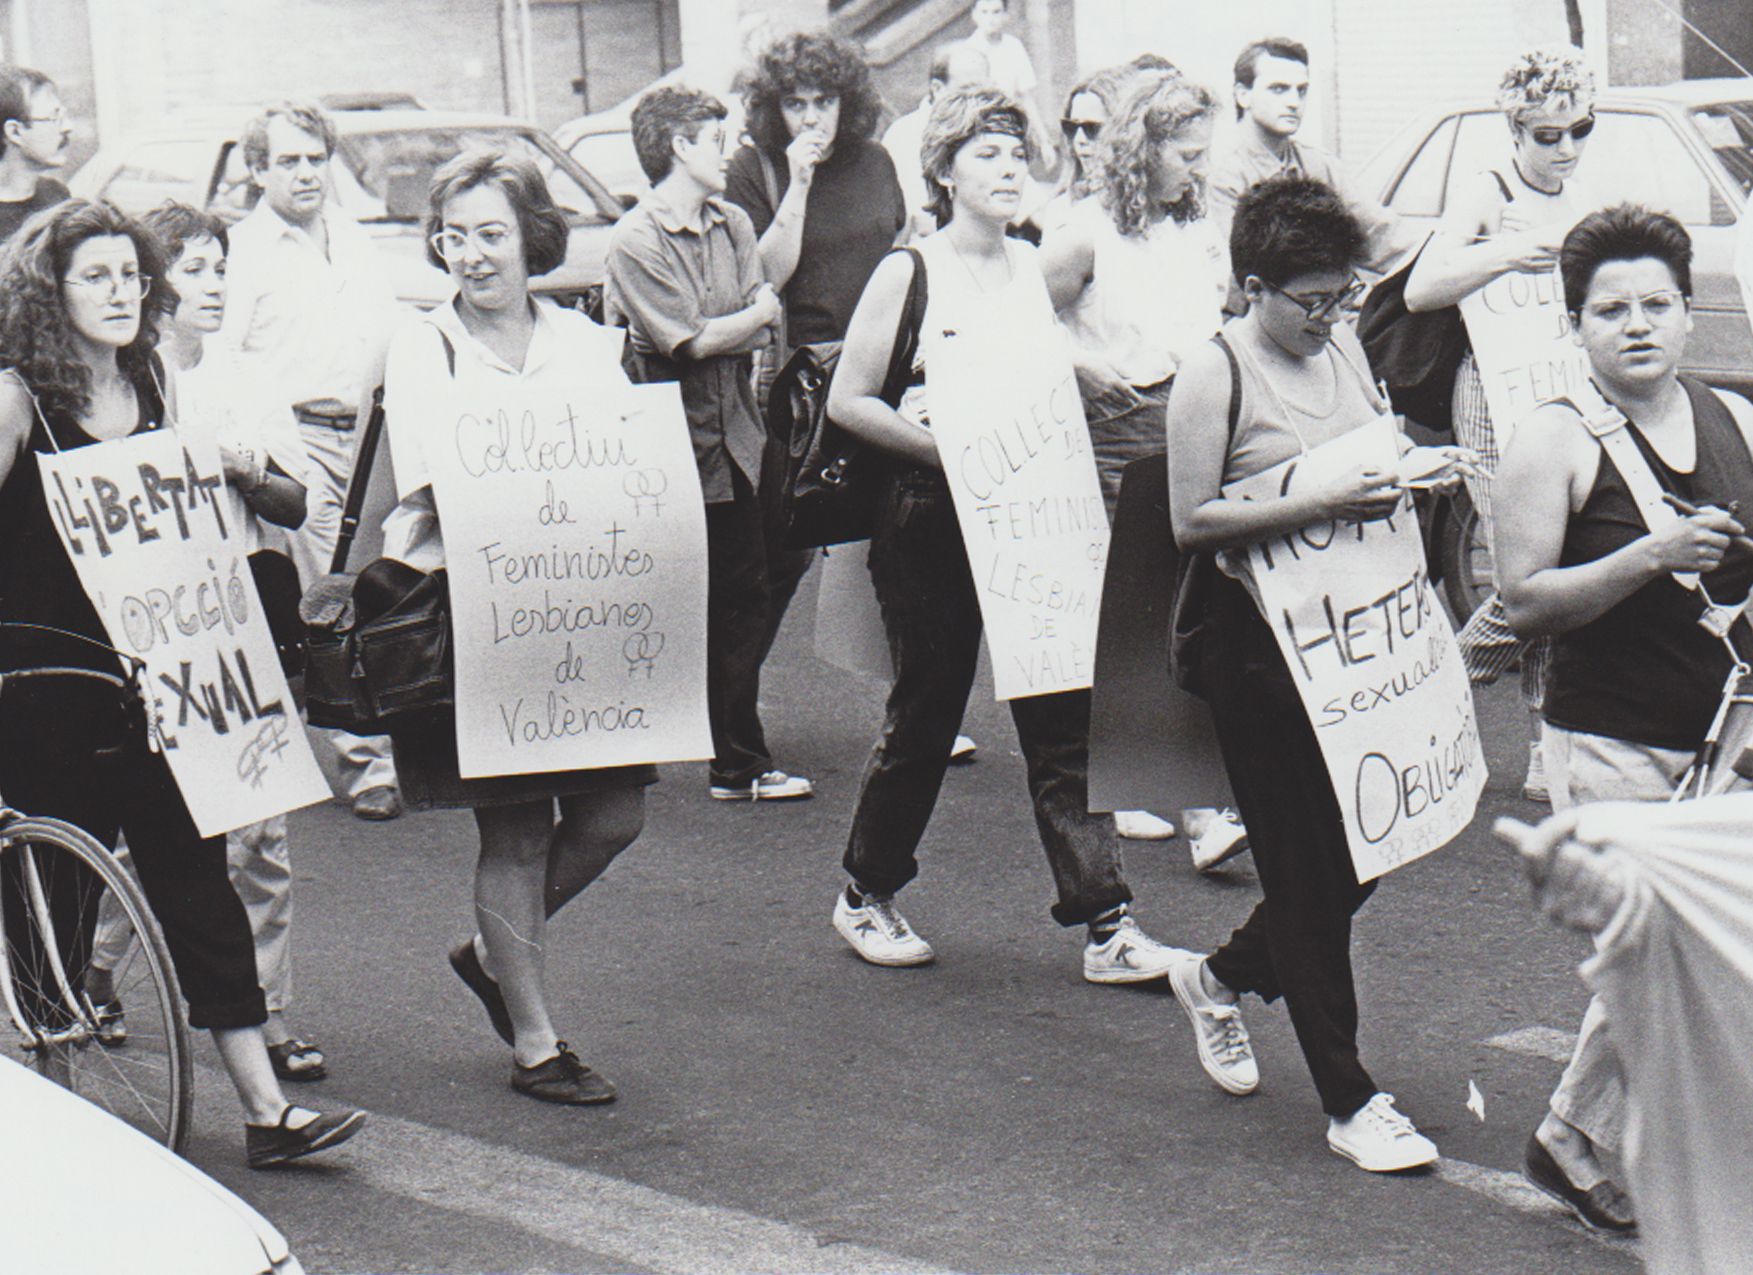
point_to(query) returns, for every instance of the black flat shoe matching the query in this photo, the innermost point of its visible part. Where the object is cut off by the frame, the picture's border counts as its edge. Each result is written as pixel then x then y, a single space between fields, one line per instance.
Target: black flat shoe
pixel 1603 1207
pixel 267 1145
pixel 563 1079
pixel 468 967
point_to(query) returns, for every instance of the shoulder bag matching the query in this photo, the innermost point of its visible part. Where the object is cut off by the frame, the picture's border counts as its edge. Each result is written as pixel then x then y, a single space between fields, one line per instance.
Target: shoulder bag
pixel 1196 576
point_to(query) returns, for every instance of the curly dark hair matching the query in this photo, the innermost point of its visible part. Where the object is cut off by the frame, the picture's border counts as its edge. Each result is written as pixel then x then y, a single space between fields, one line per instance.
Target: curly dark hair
pixel 540 222
pixel 815 60
pixel 1624 232
pixel 36 337
pixel 1290 226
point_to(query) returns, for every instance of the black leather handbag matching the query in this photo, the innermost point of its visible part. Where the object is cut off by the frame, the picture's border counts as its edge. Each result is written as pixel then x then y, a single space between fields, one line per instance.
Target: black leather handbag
pixel 378 653
pixel 834 481
pixel 1415 352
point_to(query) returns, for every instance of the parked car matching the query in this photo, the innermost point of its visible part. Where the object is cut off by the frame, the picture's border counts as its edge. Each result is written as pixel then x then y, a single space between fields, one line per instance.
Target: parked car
pixel 1686 148
pixel 86 1194
pixel 386 159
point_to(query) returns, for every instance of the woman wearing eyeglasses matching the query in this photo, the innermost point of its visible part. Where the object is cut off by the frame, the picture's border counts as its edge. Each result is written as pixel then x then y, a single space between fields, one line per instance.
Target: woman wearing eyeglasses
pixel 1285 378
pixel 80 305
pixel 1510 219
pixel 492 225
pixel 1584 559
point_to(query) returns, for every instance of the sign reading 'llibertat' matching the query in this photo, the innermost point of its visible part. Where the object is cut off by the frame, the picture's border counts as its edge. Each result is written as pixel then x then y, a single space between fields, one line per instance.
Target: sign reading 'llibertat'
pixel 1374 660
pixel 575 542
pixel 1010 426
pixel 1522 344
pixel 160 554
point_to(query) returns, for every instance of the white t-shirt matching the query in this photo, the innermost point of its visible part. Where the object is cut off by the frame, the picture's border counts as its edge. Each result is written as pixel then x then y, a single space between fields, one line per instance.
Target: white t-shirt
pixel 1007 64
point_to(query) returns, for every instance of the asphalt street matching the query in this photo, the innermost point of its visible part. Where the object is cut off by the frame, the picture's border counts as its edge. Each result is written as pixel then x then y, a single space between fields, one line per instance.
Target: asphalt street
pixel 786 1107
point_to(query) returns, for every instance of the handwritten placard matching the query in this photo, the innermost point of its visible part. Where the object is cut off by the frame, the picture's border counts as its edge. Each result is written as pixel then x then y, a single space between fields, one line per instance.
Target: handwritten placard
pixel 1005 406
pixel 575 538
pixel 1522 344
pixel 1374 660
pixel 160 553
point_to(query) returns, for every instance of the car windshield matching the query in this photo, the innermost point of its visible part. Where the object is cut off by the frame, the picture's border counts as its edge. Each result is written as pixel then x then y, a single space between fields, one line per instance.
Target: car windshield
pixel 1728 130
pixel 393 171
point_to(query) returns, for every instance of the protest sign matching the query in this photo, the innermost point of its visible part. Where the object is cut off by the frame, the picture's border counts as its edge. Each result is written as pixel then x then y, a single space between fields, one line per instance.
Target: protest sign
pixel 1016 453
pixel 1522 344
pixel 1374 660
pixel 575 539
pixel 160 553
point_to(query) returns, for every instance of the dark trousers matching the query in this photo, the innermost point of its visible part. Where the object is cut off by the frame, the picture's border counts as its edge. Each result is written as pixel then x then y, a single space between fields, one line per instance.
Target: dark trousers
pixel 785 566
pixel 67 756
pixel 932 617
pixel 738 600
pixel 1297 942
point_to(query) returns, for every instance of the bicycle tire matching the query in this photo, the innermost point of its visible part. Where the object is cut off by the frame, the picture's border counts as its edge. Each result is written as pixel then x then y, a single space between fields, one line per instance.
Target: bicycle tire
pixel 145 1076
pixel 1465 560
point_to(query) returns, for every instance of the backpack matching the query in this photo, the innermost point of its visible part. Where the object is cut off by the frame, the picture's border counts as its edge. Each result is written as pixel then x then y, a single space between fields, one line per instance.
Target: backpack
pixel 833 481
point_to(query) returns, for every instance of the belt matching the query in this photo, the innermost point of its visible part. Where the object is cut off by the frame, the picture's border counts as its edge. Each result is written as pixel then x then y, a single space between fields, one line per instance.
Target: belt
pixel 328 417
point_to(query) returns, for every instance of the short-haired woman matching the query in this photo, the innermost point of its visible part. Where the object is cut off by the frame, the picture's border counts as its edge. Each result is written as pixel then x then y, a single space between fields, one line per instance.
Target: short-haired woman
pixel 1509 219
pixel 1635 679
pixel 492 225
pixel 78 322
pixel 975 157
pixel 1303 381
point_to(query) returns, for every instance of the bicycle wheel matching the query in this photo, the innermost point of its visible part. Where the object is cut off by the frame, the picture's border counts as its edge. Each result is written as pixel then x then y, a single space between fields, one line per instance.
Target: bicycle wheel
pixel 1465 560
pixel 86 977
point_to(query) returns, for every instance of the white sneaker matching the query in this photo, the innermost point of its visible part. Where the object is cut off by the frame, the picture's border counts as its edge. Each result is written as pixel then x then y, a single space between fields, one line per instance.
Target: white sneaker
pixel 1216 836
pixel 879 933
pixel 962 751
pixel 1224 1049
pixel 1141 825
pixel 1129 956
pixel 1535 787
pixel 1380 1139
pixel 775 785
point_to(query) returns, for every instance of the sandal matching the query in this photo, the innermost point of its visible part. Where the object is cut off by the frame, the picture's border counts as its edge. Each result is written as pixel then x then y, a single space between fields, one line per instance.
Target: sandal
pixel 297 1060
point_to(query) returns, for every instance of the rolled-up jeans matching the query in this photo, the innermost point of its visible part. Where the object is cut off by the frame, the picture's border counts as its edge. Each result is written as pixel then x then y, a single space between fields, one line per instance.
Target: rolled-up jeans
pixel 932 618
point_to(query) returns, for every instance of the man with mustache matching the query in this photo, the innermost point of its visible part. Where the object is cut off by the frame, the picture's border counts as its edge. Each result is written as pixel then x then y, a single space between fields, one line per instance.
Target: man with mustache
pixel 34 138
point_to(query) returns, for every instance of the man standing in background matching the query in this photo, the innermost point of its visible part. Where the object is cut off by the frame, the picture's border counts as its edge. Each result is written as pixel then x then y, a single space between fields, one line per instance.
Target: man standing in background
pixel 953 66
pixel 34 138
pixel 310 310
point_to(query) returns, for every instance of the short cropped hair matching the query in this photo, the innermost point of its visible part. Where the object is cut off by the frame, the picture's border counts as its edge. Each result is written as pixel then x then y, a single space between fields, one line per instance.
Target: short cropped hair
pixel 306 116
pixel 1156 107
pixel 1273 46
pixel 665 114
pixel 1290 226
pixel 539 221
pixel 176 226
pixel 809 60
pixel 1148 61
pixel 18 84
pixel 1624 232
pixel 957 118
pixel 1538 76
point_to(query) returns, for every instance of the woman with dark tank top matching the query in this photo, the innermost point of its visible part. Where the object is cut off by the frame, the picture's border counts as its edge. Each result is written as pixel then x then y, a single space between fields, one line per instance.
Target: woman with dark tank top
pixel 80 295
pixel 1585 559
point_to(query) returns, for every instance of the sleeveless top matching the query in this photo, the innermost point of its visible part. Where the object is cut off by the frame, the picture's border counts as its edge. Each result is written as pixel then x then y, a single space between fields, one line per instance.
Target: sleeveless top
pixel 38 583
pixel 1644 671
pixel 954 302
pixel 1152 297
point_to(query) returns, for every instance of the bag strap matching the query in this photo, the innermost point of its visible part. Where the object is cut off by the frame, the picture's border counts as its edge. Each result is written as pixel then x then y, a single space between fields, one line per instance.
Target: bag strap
pixel 907 331
pixel 1235 412
pixel 356 485
pixel 1509 196
pixel 1611 429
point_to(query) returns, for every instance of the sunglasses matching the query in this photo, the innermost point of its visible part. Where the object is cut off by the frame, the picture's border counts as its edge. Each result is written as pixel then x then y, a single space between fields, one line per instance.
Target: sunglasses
pixel 1553 136
pixel 1073 127
pixel 1321 305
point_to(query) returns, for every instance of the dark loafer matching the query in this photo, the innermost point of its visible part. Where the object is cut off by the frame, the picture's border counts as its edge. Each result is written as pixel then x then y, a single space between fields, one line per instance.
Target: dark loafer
pixel 268 1145
pixel 468 967
pixel 564 1079
pixel 1603 1207
pixel 297 1060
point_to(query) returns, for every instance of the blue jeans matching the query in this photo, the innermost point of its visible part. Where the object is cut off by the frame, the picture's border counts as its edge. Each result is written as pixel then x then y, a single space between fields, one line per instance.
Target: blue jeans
pixel 932 617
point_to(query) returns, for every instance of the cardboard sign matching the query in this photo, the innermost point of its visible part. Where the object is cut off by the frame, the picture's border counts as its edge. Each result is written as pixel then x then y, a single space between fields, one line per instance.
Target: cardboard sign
pixel 1016 452
pixel 575 540
pixel 1374 659
pixel 160 553
pixel 1522 344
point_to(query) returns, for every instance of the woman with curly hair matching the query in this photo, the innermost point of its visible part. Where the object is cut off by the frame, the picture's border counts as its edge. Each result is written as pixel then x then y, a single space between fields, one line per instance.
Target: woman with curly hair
pixel 1510 219
pixel 826 204
pixel 1138 277
pixel 81 294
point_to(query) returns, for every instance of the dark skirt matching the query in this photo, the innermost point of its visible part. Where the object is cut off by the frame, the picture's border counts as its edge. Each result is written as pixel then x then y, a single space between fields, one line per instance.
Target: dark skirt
pixel 426 771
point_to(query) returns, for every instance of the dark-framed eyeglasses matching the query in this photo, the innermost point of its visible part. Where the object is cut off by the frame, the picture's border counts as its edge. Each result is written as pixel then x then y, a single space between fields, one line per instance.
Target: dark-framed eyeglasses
pixel 1072 128
pixel 1553 136
pixel 1323 304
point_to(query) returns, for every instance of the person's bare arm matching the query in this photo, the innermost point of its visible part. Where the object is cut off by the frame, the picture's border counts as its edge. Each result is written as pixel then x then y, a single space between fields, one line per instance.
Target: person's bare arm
pixel 1464 255
pixel 782 241
pixel 17 416
pixel 854 397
